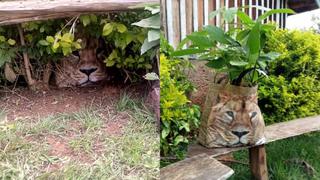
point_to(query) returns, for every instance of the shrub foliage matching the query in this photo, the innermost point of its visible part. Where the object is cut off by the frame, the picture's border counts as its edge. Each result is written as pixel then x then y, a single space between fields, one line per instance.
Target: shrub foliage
pixel 293 88
pixel 178 117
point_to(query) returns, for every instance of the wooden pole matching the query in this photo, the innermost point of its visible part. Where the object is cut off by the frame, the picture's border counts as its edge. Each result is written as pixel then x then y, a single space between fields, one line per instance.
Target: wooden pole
pixel 30 80
pixel 258 162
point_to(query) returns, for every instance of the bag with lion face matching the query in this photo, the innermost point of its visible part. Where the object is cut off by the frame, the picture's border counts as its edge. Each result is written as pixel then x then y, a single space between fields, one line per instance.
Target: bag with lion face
pixel 231 117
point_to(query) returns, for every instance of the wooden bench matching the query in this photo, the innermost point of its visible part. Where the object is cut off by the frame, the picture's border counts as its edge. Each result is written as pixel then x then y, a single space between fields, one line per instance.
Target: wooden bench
pixel 200 166
pixel 257 154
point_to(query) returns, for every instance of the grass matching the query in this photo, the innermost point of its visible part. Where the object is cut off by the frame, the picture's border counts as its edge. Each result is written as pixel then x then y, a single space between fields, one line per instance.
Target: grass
pixel 78 146
pixel 286 159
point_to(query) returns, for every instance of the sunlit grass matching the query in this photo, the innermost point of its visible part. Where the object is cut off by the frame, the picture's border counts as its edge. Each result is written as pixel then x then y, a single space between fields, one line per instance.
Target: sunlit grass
pixel 25 152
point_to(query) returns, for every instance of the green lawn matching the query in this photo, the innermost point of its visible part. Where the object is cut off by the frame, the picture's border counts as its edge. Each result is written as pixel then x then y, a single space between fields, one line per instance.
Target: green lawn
pixel 88 144
pixel 293 158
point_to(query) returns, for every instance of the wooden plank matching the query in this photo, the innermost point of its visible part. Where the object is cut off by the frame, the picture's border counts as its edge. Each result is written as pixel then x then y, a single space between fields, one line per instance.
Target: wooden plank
pixel 258 163
pixel 164 18
pixel 12 12
pixel 189 17
pixel 176 22
pixel 200 14
pixel 198 167
pixel 273 132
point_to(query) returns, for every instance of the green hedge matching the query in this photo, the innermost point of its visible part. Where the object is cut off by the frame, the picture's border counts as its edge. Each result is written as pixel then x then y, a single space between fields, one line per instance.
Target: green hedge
pixel 293 88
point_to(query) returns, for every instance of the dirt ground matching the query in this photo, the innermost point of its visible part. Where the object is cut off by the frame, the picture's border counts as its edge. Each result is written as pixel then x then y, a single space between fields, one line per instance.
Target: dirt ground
pixel 79 124
pixel 23 103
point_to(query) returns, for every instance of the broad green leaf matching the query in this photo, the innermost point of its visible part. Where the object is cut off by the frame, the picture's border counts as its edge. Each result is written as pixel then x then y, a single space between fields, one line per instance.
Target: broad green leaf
pixel 76 45
pixel 229 14
pixel 65 45
pixel 67 37
pixel 151 22
pixel 2 39
pixel 274 11
pixel 214 14
pixel 93 18
pixel 50 39
pixel 216 34
pixel 11 42
pixel 148 45
pixel 153 9
pixel 253 43
pixel 216 64
pixel 153 35
pixel 43 42
pixel 107 29
pixel 121 28
pixel 55 46
pixel 200 41
pixel 189 51
pixel 85 19
pixel 244 18
pixel 238 63
pixel 66 51
pixel 243 34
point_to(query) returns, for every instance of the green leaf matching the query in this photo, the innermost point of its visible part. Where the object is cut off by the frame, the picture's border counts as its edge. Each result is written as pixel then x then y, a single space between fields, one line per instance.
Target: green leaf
pixel 76 45
pixel 229 14
pixel 67 37
pixel 2 39
pixel 243 34
pixel 238 63
pixel 188 52
pixel 121 28
pixel 107 29
pixel 216 64
pixel 177 140
pixel 110 63
pixel 85 19
pixel 93 18
pixel 50 39
pixel 165 132
pixel 253 43
pixel 151 22
pixel 274 11
pixel 66 51
pixel 148 45
pixel 11 42
pixel 216 34
pixel 214 14
pixel 200 41
pixel 55 46
pixel 244 18
pixel 148 66
pixel 153 35
pixel 113 55
pixel 43 42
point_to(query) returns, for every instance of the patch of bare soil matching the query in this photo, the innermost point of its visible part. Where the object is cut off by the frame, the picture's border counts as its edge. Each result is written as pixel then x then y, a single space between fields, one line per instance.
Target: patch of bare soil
pixel 23 103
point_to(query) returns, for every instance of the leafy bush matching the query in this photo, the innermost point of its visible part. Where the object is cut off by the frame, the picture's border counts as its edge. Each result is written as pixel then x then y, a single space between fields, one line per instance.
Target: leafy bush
pixel 178 117
pixel 52 39
pixel 293 88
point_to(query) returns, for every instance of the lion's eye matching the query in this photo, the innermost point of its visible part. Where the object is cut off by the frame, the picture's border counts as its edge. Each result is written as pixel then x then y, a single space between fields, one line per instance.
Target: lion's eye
pixel 230 114
pixel 252 115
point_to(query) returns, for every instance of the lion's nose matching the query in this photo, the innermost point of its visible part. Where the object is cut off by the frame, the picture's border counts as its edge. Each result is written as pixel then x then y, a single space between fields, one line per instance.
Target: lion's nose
pixel 88 71
pixel 240 134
